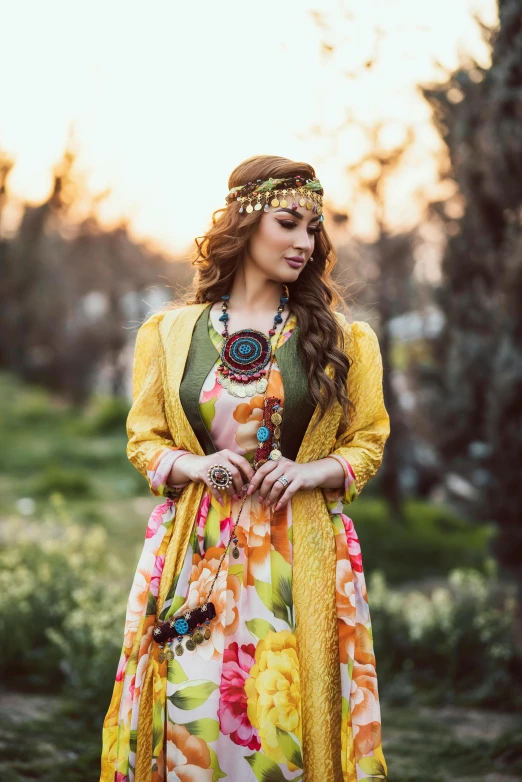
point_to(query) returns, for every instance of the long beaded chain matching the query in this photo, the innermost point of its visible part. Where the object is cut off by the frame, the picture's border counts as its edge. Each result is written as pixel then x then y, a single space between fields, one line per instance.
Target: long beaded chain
pixel 270 406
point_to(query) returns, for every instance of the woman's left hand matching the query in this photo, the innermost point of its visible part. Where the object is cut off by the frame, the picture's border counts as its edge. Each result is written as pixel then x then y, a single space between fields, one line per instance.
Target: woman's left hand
pixel 270 489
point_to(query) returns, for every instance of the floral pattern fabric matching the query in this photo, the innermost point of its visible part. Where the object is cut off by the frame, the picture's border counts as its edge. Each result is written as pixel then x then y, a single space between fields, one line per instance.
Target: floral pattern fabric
pixel 230 709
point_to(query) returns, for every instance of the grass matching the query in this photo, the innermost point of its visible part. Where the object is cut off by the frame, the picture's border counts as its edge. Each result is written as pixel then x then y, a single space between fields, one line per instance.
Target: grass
pixel 420 743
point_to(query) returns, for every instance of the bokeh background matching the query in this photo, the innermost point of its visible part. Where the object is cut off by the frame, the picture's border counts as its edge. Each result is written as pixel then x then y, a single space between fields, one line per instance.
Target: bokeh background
pixel 119 125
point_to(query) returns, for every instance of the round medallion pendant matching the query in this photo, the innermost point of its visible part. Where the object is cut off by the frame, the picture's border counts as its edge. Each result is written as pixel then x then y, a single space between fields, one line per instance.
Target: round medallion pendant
pixel 247 349
pixel 244 356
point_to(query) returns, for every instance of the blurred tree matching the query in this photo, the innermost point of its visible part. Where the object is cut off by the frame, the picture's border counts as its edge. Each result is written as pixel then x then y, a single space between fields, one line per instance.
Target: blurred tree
pixel 388 262
pixel 70 289
pixel 477 414
pixel 395 293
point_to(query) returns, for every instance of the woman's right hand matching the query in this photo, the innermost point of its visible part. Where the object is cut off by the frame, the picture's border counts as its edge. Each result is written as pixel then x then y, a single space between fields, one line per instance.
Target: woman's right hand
pixel 196 468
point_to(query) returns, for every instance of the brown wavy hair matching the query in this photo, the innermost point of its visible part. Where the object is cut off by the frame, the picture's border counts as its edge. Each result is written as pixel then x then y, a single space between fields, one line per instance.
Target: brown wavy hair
pixel 313 296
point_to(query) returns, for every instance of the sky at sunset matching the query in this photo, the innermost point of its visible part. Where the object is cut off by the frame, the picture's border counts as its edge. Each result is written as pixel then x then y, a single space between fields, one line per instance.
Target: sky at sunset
pixel 166 98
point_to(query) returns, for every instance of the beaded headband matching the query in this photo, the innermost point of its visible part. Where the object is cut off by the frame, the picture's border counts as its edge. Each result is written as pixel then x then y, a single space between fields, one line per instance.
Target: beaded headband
pixel 304 192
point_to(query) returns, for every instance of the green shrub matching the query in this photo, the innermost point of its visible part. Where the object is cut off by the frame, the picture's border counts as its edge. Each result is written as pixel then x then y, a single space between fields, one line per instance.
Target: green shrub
pixel 68 482
pixel 430 541
pixel 452 642
pixel 60 600
pixel 105 415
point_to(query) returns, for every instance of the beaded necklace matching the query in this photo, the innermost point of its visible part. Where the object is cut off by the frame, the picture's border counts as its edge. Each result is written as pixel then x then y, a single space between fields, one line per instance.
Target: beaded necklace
pixel 245 354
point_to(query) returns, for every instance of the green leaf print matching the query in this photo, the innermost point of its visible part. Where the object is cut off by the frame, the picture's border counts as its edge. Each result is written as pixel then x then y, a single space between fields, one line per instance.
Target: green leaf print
pixel 264 590
pixel 264 768
pixel 289 747
pixel 151 605
pixel 133 741
pixel 281 587
pixel 291 534
pixel 211 528
pixel 193 696
pixel 208 411
pixel 218 773
pixel 205 728
pixel 344 707
pixel 170 595
pixel 373 767
pixel 175 673
pixel 177 602
pixel 259 627
pixel 157 728
pixel 236 570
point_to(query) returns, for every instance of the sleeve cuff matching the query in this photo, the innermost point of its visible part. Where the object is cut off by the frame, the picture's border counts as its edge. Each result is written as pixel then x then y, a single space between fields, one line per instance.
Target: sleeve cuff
pixel 159 469
pixel 348 492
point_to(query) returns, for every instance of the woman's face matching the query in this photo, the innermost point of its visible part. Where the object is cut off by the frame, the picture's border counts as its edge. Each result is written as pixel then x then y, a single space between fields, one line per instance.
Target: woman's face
pixel 283 234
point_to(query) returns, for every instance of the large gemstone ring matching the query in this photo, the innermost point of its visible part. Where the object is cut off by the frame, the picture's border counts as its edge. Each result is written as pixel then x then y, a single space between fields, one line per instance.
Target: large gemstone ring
pixel 283 480
pixel 220 476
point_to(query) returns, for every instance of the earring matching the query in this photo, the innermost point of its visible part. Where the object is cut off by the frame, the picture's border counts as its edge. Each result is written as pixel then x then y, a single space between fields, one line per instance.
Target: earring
pixel 311 258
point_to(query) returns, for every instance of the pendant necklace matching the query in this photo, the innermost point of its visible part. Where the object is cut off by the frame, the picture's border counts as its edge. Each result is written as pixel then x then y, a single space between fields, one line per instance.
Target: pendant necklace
pixel 245 354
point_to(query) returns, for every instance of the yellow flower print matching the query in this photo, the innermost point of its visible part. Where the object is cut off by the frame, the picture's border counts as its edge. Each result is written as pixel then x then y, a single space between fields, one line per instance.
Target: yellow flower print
pixel 273 692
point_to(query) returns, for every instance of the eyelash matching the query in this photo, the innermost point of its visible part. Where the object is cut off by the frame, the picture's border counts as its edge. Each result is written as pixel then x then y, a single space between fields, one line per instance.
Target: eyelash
pixel 288 224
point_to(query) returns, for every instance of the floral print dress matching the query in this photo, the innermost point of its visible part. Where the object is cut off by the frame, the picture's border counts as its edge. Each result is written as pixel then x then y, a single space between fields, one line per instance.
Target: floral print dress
pixel 230 709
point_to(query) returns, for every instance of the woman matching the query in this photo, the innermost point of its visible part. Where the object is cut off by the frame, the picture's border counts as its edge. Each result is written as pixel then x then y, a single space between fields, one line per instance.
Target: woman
pixel 248 648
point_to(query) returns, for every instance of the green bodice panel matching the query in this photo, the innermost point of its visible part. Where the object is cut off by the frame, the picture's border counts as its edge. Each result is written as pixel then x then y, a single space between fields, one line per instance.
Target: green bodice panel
pixel 298 406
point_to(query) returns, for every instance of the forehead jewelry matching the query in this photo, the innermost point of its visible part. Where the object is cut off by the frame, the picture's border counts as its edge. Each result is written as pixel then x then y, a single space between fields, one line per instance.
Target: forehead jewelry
pixel 262 194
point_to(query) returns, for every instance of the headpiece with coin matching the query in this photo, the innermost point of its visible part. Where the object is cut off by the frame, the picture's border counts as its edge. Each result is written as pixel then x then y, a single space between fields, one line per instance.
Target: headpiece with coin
pixel 262 194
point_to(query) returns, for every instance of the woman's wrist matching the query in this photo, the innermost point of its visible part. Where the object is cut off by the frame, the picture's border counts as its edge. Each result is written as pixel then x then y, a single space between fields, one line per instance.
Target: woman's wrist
pixel 324 473
pixel 178 475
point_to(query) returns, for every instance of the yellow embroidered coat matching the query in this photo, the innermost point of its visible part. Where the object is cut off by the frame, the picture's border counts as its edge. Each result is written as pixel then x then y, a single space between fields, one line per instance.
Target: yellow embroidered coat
pixel 157 421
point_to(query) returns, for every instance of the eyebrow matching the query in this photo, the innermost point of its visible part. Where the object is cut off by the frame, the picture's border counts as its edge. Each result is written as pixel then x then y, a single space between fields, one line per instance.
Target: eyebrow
pixel 295 213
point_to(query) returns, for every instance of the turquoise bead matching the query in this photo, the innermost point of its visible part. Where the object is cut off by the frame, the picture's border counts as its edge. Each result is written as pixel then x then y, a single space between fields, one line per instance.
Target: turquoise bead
pixel 181 626
pixel 263 434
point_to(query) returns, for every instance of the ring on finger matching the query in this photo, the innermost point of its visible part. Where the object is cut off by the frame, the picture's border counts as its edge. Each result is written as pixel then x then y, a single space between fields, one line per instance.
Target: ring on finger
pixel 284 480
pixel 220 476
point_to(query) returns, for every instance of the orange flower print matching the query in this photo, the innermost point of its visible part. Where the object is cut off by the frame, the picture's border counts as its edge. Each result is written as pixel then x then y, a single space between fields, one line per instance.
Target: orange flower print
pixel 188 757
pixel 249 415
pixel 364 707
pixel 256 542
pixel 143 659
pixel 225 596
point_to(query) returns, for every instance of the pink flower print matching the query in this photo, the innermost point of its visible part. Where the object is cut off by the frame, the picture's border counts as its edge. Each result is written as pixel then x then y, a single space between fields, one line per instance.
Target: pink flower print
pixel 156 575
pixel 232 711
pixel 120 673
pixel 213 393
pixel 156 518
pixel 354 547
pixel 121 777
pixel 225 528
pixel 204 505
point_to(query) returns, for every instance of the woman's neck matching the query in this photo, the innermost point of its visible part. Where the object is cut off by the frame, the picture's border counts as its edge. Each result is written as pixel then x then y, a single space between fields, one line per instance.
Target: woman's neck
pixel 255 294
pixel 253 304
